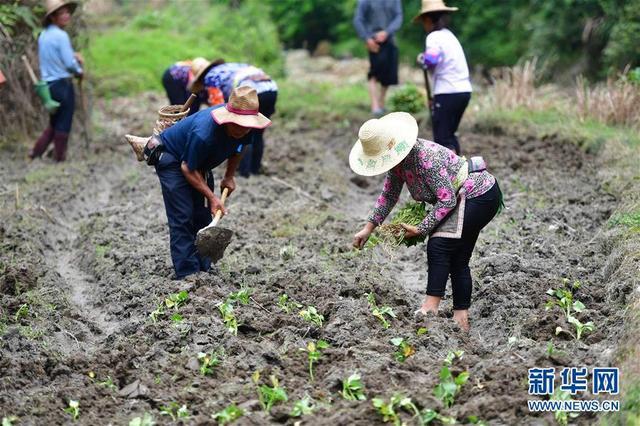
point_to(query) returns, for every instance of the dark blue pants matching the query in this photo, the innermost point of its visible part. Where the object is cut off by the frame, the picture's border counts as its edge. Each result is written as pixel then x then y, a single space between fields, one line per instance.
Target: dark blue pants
pixel 62 91
pixel 252 158
pixel 445 118
pixel 186 214
pixel 450 256
pixel 178 93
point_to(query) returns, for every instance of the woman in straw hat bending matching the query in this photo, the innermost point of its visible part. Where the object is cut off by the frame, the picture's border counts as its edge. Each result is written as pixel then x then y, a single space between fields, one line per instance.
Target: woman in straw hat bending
pixel 464 195
pixel 216 85
pixel 58 63
pixel 444 56
pixel 178 78
pixel 185 153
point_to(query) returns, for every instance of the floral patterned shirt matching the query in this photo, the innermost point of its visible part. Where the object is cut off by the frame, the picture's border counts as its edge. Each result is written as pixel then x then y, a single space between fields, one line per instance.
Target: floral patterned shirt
pixel 180 71
pixel 429 171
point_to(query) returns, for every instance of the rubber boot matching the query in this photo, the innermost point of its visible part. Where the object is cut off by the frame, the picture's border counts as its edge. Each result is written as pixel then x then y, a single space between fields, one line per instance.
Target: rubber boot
pixel 60 145
pixel 42 89
pixel 42 143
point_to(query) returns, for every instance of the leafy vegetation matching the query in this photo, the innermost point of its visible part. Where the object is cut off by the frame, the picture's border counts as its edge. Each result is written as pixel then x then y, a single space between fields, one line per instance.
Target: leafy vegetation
pixel 450 384
pixel 145 420
pixel 302 407
pixel 230 414
pixel 392 234
pixel 380 312
pixel 269 395
pixel 175 411
pixel 311 315
pixel 389 409
pixel 287 305
pixel 228 316
pixel 404 351
pixel 407 99
pixel 73 409
pixel 563 298
pixel 208 361
pixel 314 353
pixel 352 388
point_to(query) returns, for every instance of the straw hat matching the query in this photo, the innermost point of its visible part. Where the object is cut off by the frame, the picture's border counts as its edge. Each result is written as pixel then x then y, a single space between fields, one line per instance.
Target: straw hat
pixel 199 68
pixel 242 109
pixel 53 5
pixel 429 6
pixel 383 143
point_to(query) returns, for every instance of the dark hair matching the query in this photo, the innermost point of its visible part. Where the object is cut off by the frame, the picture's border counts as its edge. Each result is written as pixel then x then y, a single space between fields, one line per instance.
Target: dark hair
pixel 440 20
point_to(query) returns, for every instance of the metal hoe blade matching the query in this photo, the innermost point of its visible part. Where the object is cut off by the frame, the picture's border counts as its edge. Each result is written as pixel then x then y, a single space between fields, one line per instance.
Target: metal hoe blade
pixel 212 242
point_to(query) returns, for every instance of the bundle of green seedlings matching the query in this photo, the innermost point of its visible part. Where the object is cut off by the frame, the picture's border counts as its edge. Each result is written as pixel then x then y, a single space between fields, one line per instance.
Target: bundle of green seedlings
pixel 392 234
pixel 226 308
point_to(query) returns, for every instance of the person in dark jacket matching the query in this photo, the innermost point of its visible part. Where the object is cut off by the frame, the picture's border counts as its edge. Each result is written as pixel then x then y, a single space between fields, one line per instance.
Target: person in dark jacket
pixel 376 22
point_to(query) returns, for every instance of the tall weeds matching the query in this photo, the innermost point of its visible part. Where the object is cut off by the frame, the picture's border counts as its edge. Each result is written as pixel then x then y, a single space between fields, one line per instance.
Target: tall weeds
pixel 615 102
pixel 515 87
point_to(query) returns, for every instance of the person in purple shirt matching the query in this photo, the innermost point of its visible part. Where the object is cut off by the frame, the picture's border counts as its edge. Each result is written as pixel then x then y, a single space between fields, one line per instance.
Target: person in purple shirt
pixel 58 63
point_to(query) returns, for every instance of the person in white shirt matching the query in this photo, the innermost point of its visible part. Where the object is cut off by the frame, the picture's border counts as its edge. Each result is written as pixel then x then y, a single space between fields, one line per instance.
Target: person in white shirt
pixel 445 58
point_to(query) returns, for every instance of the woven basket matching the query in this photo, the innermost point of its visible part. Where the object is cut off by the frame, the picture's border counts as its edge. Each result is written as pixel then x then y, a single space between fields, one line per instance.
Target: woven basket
pixel 168 116
pixel 138 144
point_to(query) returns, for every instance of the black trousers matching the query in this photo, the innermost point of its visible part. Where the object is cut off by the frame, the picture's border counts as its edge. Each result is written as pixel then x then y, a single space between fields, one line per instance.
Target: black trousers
pixel 178 93
pixel 450 256
pixel 252 158
pixel 383 66
pixel 445 118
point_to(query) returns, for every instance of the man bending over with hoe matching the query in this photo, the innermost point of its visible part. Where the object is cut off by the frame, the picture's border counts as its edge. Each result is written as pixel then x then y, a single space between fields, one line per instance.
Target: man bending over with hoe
pixel 184 156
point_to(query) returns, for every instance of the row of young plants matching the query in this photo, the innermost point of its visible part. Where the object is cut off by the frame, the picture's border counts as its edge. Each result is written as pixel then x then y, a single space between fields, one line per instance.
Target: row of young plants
pixel 272 393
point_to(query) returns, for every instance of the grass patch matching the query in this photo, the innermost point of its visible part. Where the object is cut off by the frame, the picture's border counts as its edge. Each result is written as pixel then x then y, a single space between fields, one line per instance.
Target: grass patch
pixel 589 134
pixel 319 102
pixel 132 57
pixel 630 220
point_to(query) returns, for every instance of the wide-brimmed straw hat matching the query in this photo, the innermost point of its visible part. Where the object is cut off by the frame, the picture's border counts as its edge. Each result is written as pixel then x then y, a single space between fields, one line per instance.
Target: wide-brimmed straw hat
pixel 53 5
pixel 199 68
pixel 242 109
pixel 383 143
pixel 429 6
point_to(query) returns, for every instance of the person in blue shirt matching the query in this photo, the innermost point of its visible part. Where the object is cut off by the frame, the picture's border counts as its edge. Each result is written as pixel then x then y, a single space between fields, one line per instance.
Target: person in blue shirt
pixel 58 63
pixel 188 151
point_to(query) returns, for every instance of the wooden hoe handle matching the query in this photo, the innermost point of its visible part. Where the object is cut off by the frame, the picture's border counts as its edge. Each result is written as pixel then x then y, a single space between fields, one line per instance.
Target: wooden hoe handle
pixel 218 215
pixel 190 101
pixel 31 73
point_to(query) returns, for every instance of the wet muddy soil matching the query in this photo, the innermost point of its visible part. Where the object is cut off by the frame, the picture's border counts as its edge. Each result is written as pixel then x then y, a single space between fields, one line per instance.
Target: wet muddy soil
pixel 85 249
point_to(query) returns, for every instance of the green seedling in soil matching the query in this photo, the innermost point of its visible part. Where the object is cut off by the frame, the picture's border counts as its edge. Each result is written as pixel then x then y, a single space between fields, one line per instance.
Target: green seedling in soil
pixel 405 350
pixel 243 296
pixel 228 415
pixel 228 317
pixel 562 417
pixel 353 389
pixel 73 409
pixel 475 420
pixel 450 385
pixel 157 312
pixel 427 416
pixel 208 362
pixel 22 312
pixel 563 298
pixel 380 312
pixel 579 326
pixel 176 300
pixel 421 331
pixel 145 420
pixel 108 383
pixel 389 410
pixel 314 354
pixel 302 407
pixel 175 411
pixel 311 315
pixel 8 421
pixel 287 252
pixel 287 305
pixel 269 395
pixel 176 317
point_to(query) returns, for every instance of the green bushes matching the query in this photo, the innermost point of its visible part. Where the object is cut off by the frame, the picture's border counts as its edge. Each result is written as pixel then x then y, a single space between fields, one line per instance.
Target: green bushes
pixel 131 58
